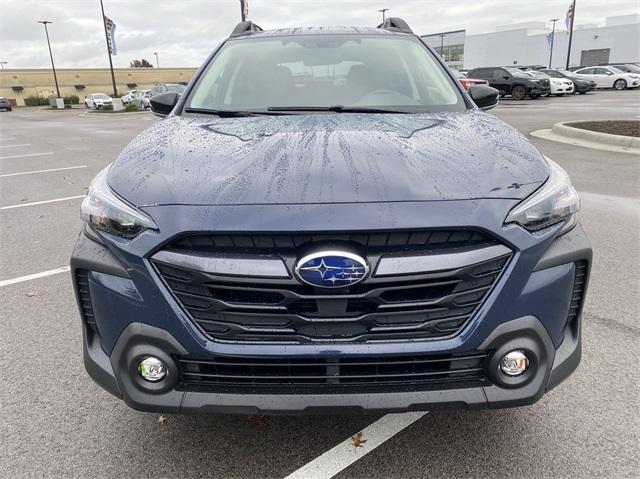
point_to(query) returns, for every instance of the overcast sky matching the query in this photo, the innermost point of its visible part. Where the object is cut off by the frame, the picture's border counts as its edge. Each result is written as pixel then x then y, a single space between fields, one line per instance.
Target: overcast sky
pixel 183 32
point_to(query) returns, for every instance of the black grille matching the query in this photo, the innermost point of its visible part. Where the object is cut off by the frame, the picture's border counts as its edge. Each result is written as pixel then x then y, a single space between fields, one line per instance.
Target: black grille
pixel 84 297
pixel 379 309
pixel 338 373
pixel 370 243
pixel 577 295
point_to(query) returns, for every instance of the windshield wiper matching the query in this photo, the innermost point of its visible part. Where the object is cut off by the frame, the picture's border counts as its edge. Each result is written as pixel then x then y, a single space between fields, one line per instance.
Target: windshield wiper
pixel 228 113
pixel 334 108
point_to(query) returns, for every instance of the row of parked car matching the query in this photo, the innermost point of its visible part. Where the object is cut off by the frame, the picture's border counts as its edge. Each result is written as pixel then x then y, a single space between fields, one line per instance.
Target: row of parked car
pixel 521 82
pixel 140 98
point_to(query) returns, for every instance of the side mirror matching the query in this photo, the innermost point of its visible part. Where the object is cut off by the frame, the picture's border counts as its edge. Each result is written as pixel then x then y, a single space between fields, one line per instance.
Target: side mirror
pixel 162 105
pixel 485 97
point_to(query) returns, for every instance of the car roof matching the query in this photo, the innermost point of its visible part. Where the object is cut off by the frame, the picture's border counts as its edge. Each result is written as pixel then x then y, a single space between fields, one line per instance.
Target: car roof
pixel 289 32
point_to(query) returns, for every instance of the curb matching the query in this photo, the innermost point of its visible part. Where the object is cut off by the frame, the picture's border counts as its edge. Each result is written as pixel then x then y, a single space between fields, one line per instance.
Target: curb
pixel 566 129
pixel 87 113
pixel 564 133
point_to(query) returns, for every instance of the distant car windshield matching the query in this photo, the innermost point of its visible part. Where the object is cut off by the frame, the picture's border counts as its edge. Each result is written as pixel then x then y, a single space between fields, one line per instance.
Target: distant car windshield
pixel 320 71
pixel 615 70
pixel 176 88
pixel 516 72
pixel 101 96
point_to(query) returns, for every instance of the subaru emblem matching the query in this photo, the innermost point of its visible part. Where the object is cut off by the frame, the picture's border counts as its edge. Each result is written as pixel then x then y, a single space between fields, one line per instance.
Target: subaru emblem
pixel 331 269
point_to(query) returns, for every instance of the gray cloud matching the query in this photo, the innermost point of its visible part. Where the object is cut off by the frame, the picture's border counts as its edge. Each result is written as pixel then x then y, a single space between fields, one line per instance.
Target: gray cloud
pixel 184 32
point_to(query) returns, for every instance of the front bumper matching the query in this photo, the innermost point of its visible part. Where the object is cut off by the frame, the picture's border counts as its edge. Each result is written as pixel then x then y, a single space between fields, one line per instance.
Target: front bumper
pixel 525 333
pixel 536 322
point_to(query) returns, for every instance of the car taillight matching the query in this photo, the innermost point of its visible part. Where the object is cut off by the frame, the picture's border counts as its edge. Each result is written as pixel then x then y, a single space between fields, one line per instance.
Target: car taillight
pixel 465 83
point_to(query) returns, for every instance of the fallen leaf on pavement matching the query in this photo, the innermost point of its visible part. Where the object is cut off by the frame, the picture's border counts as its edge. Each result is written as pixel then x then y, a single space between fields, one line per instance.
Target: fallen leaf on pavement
pixel 162 420
pixel 256 420
pixel 358 440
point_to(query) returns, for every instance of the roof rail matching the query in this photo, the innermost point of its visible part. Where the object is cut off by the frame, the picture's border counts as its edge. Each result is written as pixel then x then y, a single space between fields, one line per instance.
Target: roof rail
pixel 396 24
pixel 245 28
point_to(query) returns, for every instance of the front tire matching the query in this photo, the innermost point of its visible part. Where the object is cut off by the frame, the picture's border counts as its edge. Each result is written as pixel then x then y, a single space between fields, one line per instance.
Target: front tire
pixel 518 92
pixel 620 84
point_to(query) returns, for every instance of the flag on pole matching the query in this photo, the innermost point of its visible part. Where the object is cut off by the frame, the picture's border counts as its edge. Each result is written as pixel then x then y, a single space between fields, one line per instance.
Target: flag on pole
pixel 111 30
pixel 244 6
pixel 549 40
pixel 569 17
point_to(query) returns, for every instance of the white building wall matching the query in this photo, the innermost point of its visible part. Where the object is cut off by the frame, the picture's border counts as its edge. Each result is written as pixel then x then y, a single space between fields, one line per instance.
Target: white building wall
pixel 519 47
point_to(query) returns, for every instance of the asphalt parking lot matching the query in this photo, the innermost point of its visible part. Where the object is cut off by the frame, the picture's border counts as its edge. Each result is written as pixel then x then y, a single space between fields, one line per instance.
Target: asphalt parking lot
pixel 55 422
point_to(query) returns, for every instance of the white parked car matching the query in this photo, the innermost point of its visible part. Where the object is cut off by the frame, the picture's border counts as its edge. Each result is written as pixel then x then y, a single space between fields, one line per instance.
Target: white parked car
pixel 128 97
pixel 141 99
pixel 97 101
pixel 559 86
pixel 609 77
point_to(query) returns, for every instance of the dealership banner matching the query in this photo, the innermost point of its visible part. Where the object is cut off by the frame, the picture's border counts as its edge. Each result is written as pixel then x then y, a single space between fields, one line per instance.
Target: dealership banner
pixel 110 28
pixel 568 19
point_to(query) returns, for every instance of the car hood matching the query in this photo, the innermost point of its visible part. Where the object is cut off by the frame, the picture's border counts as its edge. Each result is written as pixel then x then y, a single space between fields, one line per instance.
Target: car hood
pixel 327 158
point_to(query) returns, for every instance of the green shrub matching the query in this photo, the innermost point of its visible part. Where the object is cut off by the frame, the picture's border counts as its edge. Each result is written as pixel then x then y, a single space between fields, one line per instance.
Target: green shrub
pixel 35 101
pixel 108 108
pixel 71 99
pixel 131 107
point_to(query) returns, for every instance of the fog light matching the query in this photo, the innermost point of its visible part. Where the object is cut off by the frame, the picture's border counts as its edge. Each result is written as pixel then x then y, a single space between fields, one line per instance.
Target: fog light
pixel 514 363
pixel 152 369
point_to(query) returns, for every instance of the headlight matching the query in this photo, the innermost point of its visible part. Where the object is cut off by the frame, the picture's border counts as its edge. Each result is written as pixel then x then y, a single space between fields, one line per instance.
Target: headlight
pixel 102 209
pixel 556 201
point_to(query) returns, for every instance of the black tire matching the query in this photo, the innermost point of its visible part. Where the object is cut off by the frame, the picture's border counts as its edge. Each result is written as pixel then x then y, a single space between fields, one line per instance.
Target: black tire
pixel 620 84
pixel 518 92
pixel 582 92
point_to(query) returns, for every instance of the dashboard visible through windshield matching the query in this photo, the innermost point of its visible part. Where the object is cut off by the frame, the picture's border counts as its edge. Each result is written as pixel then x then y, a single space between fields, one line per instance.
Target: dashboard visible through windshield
pixel 325 71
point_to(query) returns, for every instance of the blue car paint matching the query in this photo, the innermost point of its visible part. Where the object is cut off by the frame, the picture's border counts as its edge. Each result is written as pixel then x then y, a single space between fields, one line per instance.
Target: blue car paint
pixel 324 173
pixel 327 158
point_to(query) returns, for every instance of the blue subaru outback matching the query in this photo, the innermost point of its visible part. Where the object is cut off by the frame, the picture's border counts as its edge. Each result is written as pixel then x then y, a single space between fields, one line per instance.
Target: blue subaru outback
pixel 326 222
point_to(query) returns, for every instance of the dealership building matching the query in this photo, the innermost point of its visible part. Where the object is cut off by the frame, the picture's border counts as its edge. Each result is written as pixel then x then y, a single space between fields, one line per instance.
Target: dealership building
pixel 618 41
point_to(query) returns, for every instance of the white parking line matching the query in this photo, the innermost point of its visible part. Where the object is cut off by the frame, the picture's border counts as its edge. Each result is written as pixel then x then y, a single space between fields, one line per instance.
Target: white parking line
pixel 24 156
pixel 15 146
pixel 42 171
pixel 10 207
pixel 29 277
pixel 344 454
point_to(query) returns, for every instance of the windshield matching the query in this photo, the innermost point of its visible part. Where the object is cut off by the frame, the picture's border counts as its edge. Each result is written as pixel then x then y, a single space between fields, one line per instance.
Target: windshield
pixel 615 70
pixel 321 71
pixel 100 96
pixel 516 72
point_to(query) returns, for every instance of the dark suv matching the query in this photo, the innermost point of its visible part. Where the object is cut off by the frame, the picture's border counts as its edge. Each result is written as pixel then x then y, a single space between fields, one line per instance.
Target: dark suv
pixel 326 221
pixel 512 81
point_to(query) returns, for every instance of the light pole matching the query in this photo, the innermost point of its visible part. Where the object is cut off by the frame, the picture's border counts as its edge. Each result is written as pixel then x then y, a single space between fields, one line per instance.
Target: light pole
pixel 442 35
pixel 553 37
pixel 383 11
pixel 573 16
pixel 2 64
pixel 55 76
pixel 157 61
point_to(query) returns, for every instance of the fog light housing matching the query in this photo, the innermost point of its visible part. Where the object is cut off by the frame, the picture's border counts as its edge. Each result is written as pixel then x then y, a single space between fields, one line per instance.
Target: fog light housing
pixel 514 363
pixel 152 369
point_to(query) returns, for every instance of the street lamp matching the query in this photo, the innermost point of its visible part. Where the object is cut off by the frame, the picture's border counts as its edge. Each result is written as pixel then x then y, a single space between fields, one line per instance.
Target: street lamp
pixel 383 11
pixel 55 77
pixel 442 35
pixel 553 37
pixel 2 64
pixel 157 61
